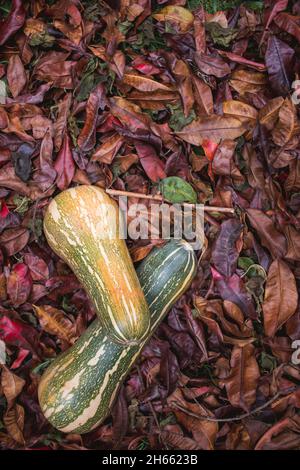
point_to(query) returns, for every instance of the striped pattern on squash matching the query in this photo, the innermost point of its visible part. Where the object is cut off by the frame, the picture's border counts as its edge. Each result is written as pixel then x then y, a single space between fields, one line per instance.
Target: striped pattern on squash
pixel 78 389
pixel 82 227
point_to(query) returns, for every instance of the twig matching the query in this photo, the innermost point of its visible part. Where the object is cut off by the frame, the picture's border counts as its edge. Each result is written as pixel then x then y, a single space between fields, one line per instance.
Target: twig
pixel 228 420
pixel 116 192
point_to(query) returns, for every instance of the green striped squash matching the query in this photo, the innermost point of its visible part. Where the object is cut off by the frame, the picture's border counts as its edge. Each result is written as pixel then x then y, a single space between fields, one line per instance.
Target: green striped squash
pixel 78 389
pixel 82 227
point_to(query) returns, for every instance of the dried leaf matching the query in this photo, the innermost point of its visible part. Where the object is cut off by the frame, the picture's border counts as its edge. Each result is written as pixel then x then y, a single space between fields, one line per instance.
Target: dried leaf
pixel 153 166
pixel 12 386
pixel 176 14
pixel 55 322
pixel 143 83
pixel 243 380
pixel 281 297
pixel 212 127
pixel 13 21
pixel 16 75
pixel 64 164
pixel 279 61
pixel 96 101
pixel 212 65
pixel 14 423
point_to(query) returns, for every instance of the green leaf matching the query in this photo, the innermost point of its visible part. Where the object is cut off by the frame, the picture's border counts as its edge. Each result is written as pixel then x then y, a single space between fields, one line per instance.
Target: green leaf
pixel 178 120
pixel 255 5
pixel 22 203
pixel 267 362
pixel 42 39
pixel 212 6
pixel 39 369
pixel 244 262
pixel 221 36
pixel 86 85
pixel 177 190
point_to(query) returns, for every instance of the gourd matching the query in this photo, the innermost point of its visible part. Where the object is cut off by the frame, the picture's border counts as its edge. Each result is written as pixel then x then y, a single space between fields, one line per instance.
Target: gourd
pixel 78 389
pixel 82 226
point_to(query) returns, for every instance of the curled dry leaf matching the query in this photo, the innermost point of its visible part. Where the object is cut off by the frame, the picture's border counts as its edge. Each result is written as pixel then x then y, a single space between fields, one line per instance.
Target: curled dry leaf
pixel 64 164
pixel 14 422
pixel 55 322
pixel 96 101
pixel 268 114
pixel 16 75
pixel 281 297
pixel 12 386
pixel 285 126
pixel 243 380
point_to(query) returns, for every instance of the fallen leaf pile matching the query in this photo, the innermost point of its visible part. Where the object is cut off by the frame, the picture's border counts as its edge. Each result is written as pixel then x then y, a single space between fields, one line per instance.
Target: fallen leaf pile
pixel 125 94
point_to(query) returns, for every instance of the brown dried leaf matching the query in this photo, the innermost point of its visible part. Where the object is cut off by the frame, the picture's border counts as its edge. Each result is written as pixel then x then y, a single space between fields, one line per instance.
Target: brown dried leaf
pixel 141 83
pixel 14 423
pixel 14 240
pixel 281 297
pixel 55 322
pixel 12 385
pixel 285 126
pixel 212 127
pixel 268 114
pixel 242 383
pixel 16 75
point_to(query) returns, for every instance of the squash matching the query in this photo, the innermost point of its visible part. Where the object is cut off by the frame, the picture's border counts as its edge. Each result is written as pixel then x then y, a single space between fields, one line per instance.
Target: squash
pixel 78 389
pixel 82 225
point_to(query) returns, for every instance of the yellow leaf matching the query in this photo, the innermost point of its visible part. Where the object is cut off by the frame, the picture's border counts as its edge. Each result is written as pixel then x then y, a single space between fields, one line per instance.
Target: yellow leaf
pixel 176 14
pixel 55 322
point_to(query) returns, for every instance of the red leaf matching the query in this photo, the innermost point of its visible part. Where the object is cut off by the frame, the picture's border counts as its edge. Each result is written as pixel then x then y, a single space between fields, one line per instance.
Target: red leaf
pixel 13 22
pixel 22 354
pixel 4 211
pixel 210 149
pixel 64 164
pixel 87 137
pixel 153 166
pixel 19 284
pixel 16 332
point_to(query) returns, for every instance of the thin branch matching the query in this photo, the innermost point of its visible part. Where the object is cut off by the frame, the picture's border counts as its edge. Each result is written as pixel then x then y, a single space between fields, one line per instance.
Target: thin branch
pixel 116 192
pixel 228 420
